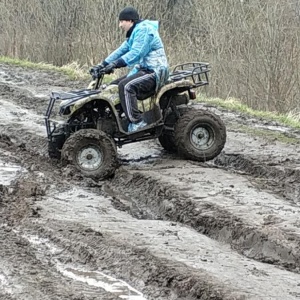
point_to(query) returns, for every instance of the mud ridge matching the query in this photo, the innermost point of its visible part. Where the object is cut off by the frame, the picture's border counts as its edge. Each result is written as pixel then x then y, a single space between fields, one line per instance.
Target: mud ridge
pixel 31 153
pixel 157 277
pixel 36 278
pixel 18 200
pixel 20 95
pixel 282 180
pixel 165 202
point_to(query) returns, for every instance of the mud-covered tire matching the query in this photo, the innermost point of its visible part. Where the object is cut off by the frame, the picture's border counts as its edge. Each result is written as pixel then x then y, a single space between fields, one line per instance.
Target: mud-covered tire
pixel 200 135
pixel 92 152
pixel 54 154
pixel 167 142
pixel 167 138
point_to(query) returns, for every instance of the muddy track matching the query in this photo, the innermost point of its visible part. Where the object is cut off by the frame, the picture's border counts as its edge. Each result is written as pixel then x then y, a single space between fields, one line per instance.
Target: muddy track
pixel 169 202
pixel 162 228
pixel 280 177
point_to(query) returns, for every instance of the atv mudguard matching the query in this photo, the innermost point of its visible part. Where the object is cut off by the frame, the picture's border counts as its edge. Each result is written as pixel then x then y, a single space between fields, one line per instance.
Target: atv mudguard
pixel 173 85
pixel 111 94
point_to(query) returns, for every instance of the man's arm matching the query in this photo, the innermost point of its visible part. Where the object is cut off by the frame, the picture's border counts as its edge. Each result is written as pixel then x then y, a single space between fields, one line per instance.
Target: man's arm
pixel 140 47
pixel 118 53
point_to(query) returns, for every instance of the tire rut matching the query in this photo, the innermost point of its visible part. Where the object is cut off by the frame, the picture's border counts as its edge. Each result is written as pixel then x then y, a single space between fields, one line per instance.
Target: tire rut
pixel 30 277
pixel 283 180
pixel 165 228
pixel 162 200
pixel 158 277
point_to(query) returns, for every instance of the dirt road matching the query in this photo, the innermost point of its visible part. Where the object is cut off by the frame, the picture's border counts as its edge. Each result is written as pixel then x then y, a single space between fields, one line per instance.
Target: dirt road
pixel 162 228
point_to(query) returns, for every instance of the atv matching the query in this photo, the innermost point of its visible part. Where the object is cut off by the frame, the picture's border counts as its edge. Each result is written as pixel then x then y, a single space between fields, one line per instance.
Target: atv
pixel 94 123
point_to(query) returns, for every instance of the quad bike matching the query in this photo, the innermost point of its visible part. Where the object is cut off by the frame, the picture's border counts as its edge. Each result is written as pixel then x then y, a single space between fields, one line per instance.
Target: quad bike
pixel 95 123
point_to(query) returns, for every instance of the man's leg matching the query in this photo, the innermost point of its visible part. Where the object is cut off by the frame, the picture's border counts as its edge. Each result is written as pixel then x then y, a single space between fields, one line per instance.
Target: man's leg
pixel 135 87
pixel 117 81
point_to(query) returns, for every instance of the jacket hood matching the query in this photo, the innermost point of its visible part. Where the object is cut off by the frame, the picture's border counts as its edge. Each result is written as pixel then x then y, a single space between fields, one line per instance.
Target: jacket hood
pixel 154 24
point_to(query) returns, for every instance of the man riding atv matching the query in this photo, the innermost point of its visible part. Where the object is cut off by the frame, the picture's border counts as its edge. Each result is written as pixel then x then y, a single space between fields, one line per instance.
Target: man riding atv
pixel 144 52
pixel 148 103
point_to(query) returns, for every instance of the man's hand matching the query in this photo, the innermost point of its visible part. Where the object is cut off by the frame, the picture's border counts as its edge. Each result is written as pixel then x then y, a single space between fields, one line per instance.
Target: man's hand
pixel 110 68
pixel 96 69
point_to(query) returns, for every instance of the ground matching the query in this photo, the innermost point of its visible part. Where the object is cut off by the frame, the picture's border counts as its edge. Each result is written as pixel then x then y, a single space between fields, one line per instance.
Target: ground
pixel 161 228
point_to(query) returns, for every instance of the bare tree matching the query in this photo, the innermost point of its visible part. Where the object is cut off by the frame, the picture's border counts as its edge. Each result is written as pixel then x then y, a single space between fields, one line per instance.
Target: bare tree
pixel 252 45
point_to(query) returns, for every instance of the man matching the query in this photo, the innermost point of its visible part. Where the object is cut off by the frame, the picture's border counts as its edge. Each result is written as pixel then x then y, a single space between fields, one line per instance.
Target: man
pixel 144 53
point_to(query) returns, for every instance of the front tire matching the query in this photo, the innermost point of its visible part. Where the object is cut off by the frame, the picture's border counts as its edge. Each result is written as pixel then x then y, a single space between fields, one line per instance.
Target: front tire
pixel 200 135
pixel 92 152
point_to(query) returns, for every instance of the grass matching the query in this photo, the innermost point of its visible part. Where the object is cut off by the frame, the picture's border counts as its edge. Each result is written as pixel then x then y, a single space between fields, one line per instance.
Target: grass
pixel 73 70
pixel 268 134
pixel 291 120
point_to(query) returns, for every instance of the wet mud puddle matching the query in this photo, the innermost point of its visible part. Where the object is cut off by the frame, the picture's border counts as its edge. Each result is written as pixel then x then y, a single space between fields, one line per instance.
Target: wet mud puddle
pixel 44 248
pixel 108 283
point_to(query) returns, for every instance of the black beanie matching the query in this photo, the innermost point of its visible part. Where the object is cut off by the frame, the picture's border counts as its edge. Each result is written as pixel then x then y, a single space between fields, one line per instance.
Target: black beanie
pixel 129 13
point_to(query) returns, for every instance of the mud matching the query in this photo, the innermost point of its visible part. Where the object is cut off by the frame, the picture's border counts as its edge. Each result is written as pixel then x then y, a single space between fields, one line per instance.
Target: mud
pixel 161 228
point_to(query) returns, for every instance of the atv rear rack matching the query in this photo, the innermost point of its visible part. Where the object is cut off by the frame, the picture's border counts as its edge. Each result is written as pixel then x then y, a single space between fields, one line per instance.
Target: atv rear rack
pixel 197 72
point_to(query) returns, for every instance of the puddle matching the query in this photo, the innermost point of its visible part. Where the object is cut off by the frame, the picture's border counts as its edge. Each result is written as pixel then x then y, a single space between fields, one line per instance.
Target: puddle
pixel 140 153
pixel 36 241
pixel 4 284
pixel 140 149
pixel 91 278
pixel 41 95
pixel 273 128
pixel 8 172
pixel 108 283
pixel 3 280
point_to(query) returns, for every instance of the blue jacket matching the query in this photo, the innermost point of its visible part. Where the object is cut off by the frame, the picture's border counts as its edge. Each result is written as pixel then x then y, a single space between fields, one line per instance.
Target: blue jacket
pixel 144 49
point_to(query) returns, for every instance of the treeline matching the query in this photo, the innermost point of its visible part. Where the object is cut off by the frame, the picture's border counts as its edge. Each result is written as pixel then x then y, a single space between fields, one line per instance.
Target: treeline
pixel 253 45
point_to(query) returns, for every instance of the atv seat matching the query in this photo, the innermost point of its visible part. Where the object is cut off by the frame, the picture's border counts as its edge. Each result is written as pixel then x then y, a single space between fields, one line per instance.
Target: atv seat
pixel 146 96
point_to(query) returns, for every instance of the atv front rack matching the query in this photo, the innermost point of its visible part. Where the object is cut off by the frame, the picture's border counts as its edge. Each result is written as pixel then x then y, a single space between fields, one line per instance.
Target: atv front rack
pixel 197 72
pixel 70 97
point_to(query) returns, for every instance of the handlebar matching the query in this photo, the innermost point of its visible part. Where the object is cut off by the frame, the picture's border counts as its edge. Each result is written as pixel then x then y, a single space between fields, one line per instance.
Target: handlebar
pixel 98 71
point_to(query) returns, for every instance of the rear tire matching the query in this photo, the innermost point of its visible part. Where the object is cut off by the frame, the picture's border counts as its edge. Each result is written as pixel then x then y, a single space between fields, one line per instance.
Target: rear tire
pixel 167 138
pixel 92 152
pixel 200 135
